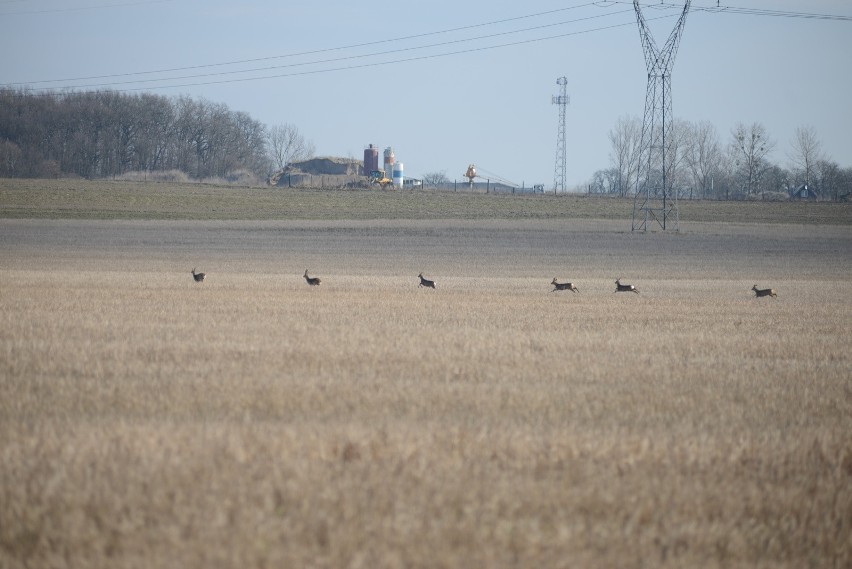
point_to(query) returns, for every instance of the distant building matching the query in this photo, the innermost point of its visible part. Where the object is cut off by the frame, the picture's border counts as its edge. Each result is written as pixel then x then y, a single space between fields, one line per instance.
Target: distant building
pixel 804 192
pixel 327 165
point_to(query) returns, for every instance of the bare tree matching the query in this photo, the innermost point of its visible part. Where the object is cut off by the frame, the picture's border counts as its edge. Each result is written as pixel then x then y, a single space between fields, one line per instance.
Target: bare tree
pixel 725 182
pixel 749 147
pixel 436 179
pixel 678 146
pixel 192 136
pixel 286 145
pixel 843 188
pixel 805 152
pixel 703 155
pixel 105 133
pixel 626 138
pixel 777 180
pixel 10 155
pixel 828 178
pixel 156 115
pixel 604 182
pixel 250 143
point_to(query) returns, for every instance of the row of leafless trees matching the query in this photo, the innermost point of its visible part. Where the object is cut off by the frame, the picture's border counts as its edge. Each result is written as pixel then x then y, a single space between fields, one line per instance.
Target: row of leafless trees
pixel 704 167
pixel 106 133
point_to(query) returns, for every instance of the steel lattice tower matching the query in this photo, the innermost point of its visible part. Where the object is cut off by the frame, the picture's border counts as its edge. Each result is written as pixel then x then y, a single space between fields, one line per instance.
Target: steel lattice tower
pixel 562 100
pixel 655 198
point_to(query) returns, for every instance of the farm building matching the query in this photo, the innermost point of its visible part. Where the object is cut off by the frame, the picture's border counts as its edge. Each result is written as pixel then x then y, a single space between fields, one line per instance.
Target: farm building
pixel 804 192
pixel 327 165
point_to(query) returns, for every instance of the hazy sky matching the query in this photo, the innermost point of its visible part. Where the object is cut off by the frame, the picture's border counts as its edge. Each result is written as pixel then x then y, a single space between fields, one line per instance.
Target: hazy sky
pixel 447 83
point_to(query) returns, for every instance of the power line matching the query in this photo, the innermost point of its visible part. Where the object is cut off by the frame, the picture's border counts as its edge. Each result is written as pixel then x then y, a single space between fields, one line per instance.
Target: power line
pixel 404 60
pixel 772 13
pixel 367 55
pixel 599 4
pixel 344 68
pixel 318 51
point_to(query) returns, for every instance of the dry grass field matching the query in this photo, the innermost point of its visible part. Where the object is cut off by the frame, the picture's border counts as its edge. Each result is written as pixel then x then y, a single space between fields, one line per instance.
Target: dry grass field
pixel 252 421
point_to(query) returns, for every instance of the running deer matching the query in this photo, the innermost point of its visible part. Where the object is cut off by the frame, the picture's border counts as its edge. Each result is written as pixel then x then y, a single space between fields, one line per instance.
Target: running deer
pixel 426 282
pixel 563 286
pixel 313 281
pixel 758 292
pixel 197 276
pixel 625 287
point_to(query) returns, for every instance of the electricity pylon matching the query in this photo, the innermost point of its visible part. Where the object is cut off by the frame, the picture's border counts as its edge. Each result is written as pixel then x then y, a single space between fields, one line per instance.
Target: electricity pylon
pixel 562 100
pixel 655 198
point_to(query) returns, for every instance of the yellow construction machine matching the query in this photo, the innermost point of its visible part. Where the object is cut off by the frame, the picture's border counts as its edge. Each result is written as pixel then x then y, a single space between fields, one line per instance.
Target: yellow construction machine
pixel 379 177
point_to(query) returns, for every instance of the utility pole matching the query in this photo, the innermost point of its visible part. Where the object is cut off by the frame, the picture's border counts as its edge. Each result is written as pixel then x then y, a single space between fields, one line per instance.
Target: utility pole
pixel 562 100
pixel 655 197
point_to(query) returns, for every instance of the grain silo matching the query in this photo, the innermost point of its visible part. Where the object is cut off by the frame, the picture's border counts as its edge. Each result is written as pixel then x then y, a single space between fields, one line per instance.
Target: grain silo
pixel 389 160
pixel 397 175
pixel 371 159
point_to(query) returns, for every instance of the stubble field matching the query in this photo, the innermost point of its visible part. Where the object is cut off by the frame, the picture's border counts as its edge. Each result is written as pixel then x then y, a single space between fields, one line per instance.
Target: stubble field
pixel 253 421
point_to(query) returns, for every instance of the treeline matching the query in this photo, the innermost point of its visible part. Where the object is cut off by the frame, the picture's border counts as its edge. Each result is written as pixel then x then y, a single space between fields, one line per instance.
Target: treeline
pixel 702 165
pixel 105 134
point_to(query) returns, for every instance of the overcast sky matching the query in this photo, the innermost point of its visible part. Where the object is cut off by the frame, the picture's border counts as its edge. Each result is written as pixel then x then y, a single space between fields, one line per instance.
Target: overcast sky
pixel 448 83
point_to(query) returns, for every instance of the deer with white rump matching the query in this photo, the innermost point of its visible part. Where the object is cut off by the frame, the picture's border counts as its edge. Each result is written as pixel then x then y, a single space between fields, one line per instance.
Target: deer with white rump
pixel 425 282
pixel 758 292
pixel 624 287
pixel 563 286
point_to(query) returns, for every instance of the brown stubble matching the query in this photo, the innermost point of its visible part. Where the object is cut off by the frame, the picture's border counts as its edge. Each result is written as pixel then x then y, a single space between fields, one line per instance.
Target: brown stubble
pixel 149 420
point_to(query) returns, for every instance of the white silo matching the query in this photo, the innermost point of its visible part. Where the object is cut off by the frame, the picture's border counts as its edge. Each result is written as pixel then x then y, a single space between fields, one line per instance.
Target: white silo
pixel 397 175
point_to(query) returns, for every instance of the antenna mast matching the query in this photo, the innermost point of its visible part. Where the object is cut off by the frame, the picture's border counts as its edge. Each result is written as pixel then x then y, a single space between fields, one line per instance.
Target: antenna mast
pixel 655 196
pixel 562 100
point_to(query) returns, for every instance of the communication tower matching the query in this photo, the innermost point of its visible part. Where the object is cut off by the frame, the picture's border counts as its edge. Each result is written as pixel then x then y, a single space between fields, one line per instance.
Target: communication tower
pixel 562 100
pixel 655 198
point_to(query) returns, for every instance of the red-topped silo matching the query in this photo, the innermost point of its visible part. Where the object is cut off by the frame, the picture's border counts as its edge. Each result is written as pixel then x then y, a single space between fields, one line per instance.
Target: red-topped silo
pixel 389 160
pixel 371 159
